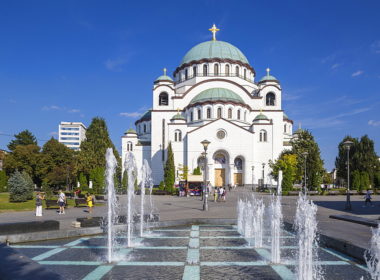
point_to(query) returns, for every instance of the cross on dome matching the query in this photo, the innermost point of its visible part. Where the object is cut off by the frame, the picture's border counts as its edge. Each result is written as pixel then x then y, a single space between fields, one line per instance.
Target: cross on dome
pixel 213 30
pixel 268 70
pixel 164 71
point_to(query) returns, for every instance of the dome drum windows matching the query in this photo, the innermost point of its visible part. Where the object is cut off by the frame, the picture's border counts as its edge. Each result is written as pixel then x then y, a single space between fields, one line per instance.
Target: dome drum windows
pixel 216 69
pixel 219 113
pixel 263 136
pixel 177 135
pixel 230 113
pixel 199 114
pixel 227 70
pixel 129 146
pixel 163 99
pixel 205 70
pixel 208 113
pixel 270 99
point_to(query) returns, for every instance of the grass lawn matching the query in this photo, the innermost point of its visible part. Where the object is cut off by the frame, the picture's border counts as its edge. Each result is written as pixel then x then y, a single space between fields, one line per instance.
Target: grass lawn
pixel 6 206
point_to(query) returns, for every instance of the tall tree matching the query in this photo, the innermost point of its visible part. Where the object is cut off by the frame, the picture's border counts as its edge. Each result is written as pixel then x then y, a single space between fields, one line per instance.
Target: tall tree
pixel 24 138
pixel 3 181
pixel 18 189
pixel 56 165
pixel 287 162
pixel 169 170
pixel 93 150
pixel 314 164
pixel 24 158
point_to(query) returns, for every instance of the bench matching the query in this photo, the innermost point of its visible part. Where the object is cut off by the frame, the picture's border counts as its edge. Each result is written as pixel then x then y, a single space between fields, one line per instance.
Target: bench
pixel 90 222
pixel 160 192
pixel 313 192
pixel 100 197
pixel 23 227
pixel 293 192
pixel 80 202
pixel 333 192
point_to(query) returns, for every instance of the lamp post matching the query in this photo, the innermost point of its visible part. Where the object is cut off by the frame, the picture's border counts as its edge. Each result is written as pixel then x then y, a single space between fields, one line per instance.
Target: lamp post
pixel 253 168
pixel 205 144
pixel 305 154
pixel 263 164
pixel 347 145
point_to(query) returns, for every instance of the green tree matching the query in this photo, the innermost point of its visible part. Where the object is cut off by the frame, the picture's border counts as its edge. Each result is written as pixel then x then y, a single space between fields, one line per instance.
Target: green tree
pixel 18 190
pixel 356 181
pixel 93 149
pixel 29 185
pixel 365 180
pixel 56 165
pixel 24 158
pixel 83 182
pixel 97 177
pixel 3 181
pixel 377 179
pixel 314 164
pixel 197 171
pixel 169 170
pixel 184 172
pixel 24 138
pixel 287 162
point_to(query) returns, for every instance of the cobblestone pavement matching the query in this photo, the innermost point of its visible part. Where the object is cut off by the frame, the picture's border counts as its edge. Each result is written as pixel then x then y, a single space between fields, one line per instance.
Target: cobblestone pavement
pixel 187 252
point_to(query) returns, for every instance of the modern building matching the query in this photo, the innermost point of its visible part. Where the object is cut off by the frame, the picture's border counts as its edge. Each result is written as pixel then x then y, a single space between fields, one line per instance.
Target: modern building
pixel 214 95
pixel 71 134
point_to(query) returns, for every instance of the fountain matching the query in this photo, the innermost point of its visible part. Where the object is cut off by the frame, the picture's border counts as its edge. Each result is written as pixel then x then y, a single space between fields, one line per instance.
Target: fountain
pixel 306 226
pixel 372 256
pixel 142 198
pixel 258 221
pixel 276 221
pixel 112 203
pixel 130 166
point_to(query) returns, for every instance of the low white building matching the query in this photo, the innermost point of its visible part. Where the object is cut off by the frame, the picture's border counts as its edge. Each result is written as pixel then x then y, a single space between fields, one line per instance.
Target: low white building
pixel 71 134
pixel 214 96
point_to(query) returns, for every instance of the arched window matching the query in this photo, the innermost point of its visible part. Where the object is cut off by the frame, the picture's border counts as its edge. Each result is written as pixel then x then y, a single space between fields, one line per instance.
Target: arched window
pixel 263 136
pixel 199 114
pixel 238 162
pixel 245 116
pixel 238 114
pixel 209 113
pixel 194 71
pixel 220 158
pixel 245 73
pixel 186 74
pixel 144 127
pixel 270 99
pixel 237 71
pixel 129 146
pixel 191 116
pixel 219 113
pixel 216 69
pixel 163 99
pixel 285 128
pixel 205 70
pixel 177 136
pixel 230 113
pixel 227 70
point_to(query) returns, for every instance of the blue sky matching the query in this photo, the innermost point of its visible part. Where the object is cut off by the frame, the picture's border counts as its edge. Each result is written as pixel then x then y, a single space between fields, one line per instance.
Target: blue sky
pixel 73 60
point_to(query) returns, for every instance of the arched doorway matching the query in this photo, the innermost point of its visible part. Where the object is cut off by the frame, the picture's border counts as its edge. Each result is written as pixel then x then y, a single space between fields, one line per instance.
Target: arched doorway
pixel 238 171
pixel 220 168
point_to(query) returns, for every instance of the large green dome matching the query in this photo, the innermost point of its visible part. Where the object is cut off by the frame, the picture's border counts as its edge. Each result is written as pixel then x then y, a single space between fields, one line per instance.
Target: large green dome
pixel 217 94
pixel 214 49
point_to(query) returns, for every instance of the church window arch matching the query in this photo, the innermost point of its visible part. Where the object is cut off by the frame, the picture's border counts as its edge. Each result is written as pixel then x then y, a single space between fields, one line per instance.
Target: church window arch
pixel 219 113
pixel 245 116
pixel 191 116
pixel 220 158
pixel 227 70
pixel 144 128
pixel 199 114
pixel 263 135
pixel 238 114
pixel 186 74
pixel 216 69
pixel 238 163
pixel 229 113
pixel 285 128
pixel 270 99
pixel 237 71
pixel 208 113
pixel 129 146
pixel 205 70
pixel 163 99
pixel 194 71
pixel 177 135
pixel 245 73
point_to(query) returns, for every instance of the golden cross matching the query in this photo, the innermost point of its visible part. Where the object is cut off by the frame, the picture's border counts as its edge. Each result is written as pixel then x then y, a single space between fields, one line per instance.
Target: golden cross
pixel 268 70
pixel 178 111
pixel 164 71
pixel 213 30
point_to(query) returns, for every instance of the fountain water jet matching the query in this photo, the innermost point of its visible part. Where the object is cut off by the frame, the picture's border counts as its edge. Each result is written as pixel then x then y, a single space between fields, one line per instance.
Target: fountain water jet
pixel 112 203
pixel 276 221
pixel 258 221
pixel 142 197
pixel 130 166
pixel 372 256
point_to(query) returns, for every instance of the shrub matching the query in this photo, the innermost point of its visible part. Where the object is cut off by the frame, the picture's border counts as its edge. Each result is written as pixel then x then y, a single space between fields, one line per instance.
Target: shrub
pixel 161 187
pixel 3 181
pixel 18 188
pixel 29 185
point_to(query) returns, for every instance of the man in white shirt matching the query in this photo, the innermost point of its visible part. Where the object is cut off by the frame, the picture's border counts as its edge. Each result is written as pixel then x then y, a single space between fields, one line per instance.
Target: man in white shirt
pixel 61 202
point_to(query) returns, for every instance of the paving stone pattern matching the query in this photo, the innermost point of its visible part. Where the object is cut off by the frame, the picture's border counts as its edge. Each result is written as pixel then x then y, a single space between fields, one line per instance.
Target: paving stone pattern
pixel 190 253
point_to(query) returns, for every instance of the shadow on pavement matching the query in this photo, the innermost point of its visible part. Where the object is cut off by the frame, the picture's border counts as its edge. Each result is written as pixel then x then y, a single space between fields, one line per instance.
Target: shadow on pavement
pixel 357 207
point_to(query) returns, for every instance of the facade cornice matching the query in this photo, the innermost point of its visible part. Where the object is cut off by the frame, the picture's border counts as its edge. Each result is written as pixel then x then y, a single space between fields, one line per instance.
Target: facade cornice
pixel 218 120
pixel 156 87
pixel 217 102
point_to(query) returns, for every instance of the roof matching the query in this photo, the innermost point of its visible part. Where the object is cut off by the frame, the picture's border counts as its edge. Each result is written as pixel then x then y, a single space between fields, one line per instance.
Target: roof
pixel 178 116
pixel 217 94
pixel 145 117
pixel 261 117
pixel 269 78
pixel 131 130
pixel 214 49
pixel 164 78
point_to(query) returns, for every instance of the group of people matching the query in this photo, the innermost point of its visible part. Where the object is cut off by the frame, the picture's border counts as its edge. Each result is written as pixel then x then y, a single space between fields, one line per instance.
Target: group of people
pixel 62 202
pixel 219 194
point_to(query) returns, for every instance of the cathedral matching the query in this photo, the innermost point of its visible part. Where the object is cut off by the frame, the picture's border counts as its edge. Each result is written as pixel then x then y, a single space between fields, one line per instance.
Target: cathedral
pixel 213 95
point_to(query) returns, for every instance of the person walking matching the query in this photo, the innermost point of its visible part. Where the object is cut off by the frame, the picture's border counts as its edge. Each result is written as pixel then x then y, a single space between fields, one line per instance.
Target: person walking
pixel 61 202
pixel 215 194
pixel 39 198
pixel 224 194
pixel 90 202
pixel 221 191
pixel 368 198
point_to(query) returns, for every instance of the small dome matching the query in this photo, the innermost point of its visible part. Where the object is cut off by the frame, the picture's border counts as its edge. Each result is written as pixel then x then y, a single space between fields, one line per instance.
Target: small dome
pixel 217 94
pixel 178 116
pixel 147 116
pixel 214 49
pixel 268 77
pixel 163 78
pixel 131 130
pixel 261 117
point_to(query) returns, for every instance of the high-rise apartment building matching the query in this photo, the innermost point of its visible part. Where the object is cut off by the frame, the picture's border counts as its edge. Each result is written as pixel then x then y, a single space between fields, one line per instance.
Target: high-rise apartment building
pixel 71 134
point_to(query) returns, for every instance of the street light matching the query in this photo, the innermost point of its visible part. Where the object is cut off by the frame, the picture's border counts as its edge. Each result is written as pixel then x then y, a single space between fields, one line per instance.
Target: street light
pixel 253 168
pixel 347 144
pixel 263 164
pixel 205 144
pixel 305 154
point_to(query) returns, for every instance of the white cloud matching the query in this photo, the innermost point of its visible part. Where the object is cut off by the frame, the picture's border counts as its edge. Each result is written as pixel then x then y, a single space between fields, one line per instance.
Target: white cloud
pixel 373 123
pixel 51 107
pixel 375 47
pixel 115 64
pixel 357 73
pixel 73 111
pixel 131 114
pixel 53 133
pixel 336 65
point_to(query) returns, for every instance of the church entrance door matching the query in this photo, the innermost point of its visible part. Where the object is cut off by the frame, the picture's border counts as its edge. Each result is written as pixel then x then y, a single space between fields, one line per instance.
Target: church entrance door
pixel 219 177
pixel 238 179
